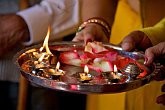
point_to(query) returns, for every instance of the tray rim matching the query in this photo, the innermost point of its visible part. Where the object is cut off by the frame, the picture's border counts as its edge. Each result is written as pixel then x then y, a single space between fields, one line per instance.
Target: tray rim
pixel 99 88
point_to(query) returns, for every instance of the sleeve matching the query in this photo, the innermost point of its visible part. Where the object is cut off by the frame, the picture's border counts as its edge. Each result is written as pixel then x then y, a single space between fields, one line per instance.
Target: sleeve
pixel 62 16
pixel 156 33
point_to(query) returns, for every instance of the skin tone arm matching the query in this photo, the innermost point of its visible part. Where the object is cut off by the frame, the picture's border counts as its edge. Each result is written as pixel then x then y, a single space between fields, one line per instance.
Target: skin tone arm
pixel 104 9
pixel 142 40
pixel 13 30
pixel 96 8
pixel 158 51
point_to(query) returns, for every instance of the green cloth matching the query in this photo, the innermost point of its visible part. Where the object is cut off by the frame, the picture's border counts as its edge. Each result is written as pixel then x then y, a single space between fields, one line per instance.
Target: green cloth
pixel 156 33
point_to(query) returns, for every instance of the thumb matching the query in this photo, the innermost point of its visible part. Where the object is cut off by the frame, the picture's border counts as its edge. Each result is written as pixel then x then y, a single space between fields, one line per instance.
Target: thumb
pixel 128 42
pixel 132 40
pixel 136 39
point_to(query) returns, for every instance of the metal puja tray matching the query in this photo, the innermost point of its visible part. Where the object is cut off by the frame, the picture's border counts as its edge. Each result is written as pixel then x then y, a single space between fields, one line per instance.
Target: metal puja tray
pixel 71 84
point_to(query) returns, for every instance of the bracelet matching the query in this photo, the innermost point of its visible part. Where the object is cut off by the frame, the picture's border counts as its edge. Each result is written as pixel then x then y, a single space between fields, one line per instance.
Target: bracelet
pixel 99 21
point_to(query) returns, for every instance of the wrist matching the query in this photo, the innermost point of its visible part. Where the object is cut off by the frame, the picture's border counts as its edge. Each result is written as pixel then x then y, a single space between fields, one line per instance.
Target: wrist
pixel 98 21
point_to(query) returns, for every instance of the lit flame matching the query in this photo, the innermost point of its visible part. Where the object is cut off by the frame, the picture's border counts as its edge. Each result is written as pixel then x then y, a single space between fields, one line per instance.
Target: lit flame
pixel 115 75
pixel 86 70
pixel 58 66
pixel 45 44
pixel 42 57
pixel 115 68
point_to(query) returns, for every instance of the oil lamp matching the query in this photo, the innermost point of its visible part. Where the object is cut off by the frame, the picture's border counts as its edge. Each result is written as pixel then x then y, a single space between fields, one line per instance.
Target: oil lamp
pixel 112 76
pixel 115 75
pixel 41 58
pixel 115 72
pixel 85 76
pixel 54 73
pixel 58 71
pixel 41 61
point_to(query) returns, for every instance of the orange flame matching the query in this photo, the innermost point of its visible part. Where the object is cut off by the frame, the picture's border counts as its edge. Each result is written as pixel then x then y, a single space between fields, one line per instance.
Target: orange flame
pixel 115 72
pixel 45 44
pixel 86 70
pixel 58 65
pixel 42 57
pixel 115 68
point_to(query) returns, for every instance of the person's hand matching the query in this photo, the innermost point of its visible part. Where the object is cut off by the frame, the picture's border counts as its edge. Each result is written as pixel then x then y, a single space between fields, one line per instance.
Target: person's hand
pixel 13 30
pixel 161 98
pixel 158 52
pixel 159 77
pixel 136 39
pixel 140 41
pixel 92 32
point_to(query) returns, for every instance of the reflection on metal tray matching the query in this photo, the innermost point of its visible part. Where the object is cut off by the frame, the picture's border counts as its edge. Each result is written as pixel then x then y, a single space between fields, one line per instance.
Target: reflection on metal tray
pixel 69 81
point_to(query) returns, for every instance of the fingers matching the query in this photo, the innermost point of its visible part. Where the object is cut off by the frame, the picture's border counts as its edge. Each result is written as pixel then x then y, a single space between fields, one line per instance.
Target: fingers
pixel 160 75
pixel 130 41
pixel 128 44
pixel 79 37
pixel 154 52
pixel 161 99
pixel 90 33
pixel 85 35
pixel 163 88
pixel 149 54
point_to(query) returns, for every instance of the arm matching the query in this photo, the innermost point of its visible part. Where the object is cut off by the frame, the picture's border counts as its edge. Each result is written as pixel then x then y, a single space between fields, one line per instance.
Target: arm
pixel 157 36
pixel 13 30
pixel 99 8
pixel 105 10
pixel 145 38
pixel 61 15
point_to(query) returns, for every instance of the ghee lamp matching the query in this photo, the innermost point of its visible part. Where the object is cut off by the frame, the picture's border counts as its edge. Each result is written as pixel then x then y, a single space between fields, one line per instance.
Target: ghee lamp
pixel 58 71
pixel 115 75
pixel 42 58
pixel 85 76
pixel 115 72
pixel 55 73
pixel 42 62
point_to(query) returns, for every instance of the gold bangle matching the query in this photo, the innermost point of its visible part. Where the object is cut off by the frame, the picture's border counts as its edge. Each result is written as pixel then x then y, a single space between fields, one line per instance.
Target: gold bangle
pixel 98 21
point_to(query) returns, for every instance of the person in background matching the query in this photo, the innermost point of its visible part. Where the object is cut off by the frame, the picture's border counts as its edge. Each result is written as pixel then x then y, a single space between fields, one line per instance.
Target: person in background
pixel 27 27
pixel 112 19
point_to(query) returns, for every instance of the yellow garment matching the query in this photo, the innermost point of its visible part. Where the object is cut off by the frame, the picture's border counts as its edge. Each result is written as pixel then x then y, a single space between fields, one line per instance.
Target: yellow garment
pixel 156 33
pixel 143 98
pixel 126 20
